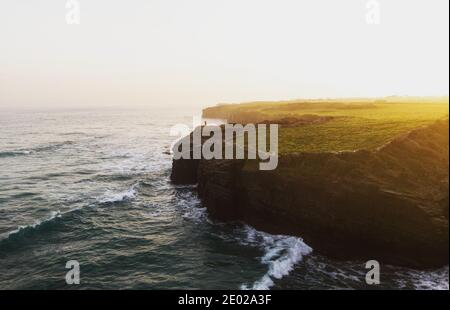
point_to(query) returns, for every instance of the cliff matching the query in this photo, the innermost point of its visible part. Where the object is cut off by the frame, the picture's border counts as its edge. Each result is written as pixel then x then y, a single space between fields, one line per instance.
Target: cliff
pixel 388 204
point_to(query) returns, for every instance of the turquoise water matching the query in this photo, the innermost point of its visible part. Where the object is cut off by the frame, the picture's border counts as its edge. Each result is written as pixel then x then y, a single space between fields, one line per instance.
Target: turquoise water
pixel 93 186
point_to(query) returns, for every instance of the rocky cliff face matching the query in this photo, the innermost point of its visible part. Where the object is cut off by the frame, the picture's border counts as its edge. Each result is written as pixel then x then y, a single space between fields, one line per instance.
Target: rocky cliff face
pixel 390 204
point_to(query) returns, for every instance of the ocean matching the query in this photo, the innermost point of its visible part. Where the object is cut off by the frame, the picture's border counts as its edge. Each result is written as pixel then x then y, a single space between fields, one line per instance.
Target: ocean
pixel 93 186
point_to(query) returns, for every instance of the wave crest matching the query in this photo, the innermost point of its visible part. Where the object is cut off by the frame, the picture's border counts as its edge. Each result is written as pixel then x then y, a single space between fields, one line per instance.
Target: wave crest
pixel 14 153
pixel 281 254
pixel 42 148
pixel 26 228
pixel 111 197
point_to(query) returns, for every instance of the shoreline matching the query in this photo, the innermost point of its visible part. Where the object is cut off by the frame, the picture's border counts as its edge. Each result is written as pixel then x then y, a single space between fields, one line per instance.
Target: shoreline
pixel 346 205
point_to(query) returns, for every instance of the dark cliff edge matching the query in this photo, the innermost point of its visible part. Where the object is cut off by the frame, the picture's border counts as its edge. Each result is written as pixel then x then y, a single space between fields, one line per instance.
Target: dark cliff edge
pixel 390 204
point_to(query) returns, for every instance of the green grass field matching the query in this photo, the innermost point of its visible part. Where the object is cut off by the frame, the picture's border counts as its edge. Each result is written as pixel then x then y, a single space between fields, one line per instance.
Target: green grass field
pixel 358 123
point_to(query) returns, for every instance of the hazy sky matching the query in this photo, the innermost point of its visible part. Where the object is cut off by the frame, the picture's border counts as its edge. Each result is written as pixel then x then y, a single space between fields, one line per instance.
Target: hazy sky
pixel 201 52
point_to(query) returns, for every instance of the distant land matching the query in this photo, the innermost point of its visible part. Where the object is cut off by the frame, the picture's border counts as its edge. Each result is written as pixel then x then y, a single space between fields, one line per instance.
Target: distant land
pixel 336 124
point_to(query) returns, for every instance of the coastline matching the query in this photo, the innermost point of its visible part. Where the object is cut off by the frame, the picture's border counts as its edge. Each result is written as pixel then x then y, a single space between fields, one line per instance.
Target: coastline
pixel 346 205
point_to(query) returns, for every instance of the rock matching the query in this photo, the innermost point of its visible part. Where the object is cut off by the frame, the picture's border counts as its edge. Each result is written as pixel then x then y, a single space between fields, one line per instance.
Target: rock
pixel 390 205
pixel 184 171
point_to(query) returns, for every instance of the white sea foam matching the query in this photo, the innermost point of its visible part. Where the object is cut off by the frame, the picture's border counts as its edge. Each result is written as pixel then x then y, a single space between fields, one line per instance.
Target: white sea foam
pixel 425 280
pixel 190 204
pixel 111 197
pixel 195 213
pixel 281 254
pixel 53 215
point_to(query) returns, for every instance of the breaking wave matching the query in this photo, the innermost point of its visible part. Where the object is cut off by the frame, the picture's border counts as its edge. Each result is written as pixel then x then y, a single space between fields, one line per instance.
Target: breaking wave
pixel 281 254
pixel 26 228
pixel 424 280
pixel 112 197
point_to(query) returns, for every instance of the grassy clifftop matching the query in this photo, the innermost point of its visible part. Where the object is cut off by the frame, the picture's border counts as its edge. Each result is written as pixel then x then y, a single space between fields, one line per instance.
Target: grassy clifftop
pixel 336 125
pixel 387 199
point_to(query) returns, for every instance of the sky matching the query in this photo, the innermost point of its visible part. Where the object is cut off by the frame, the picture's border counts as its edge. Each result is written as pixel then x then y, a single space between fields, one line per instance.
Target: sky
pixel 149 53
